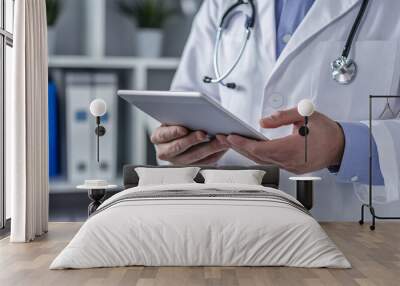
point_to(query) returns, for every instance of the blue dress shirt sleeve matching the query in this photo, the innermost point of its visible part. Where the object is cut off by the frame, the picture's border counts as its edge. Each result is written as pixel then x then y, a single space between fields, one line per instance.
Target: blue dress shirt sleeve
pixel 355 162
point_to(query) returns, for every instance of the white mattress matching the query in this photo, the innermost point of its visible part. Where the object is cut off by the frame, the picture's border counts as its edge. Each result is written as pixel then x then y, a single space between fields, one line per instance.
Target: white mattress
pixel 200 231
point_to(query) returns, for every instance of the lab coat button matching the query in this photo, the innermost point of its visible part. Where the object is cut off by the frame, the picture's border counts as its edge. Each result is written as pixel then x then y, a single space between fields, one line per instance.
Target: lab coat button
pixel 354 179
pixel 286 38
pixel 276 100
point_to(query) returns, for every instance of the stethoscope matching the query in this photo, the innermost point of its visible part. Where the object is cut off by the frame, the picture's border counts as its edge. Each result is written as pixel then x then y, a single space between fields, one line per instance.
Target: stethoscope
pixel 344 69
pixel 224 24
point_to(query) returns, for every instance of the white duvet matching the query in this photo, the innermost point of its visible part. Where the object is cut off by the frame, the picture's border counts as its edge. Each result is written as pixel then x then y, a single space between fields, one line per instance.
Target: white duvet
pixel 200 231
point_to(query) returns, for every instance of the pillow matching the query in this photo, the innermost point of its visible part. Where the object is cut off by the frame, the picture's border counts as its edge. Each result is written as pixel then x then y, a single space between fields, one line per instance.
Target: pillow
pixel 246 177
pixel 166 176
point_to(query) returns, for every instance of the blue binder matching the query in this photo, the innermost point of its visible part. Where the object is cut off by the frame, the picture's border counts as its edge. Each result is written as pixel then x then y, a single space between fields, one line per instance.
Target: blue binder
pixel 54 162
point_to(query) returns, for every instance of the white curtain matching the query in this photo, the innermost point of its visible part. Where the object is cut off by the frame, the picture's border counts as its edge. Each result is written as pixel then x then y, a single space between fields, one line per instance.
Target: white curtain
pixel 26 115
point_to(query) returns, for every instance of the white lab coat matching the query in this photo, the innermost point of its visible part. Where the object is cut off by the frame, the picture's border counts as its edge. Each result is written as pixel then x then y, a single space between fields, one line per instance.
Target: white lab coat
pixel 301 71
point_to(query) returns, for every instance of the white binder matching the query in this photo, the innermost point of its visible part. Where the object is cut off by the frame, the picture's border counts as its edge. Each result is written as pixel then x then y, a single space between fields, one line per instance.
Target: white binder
pixel 79 129
pixel 105 87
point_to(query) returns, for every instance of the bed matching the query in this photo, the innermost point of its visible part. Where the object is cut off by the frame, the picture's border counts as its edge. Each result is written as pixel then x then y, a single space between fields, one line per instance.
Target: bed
pixel 198 224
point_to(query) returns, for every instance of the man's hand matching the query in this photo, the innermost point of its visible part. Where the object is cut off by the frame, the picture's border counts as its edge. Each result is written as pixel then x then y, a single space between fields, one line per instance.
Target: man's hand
pixel 325 143
pixel 179 146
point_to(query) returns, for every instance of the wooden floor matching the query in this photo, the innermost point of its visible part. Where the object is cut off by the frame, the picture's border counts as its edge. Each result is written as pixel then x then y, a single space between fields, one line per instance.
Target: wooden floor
pixel 375 257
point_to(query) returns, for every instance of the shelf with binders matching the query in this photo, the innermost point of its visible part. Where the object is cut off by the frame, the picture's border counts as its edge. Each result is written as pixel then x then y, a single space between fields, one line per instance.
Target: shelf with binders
pixel 133 127
pixel 101 40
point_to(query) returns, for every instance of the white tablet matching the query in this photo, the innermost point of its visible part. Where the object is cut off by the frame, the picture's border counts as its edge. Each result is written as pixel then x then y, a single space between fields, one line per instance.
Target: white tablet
pixel 192 110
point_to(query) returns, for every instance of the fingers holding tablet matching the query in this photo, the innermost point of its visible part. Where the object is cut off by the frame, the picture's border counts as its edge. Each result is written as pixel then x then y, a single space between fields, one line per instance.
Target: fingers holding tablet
pixel 171 141
pixel 164 134
pixel 178 145
pixel 203 153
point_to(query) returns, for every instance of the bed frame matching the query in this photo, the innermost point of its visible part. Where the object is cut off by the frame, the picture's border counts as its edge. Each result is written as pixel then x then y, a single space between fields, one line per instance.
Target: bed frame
pixel 270 179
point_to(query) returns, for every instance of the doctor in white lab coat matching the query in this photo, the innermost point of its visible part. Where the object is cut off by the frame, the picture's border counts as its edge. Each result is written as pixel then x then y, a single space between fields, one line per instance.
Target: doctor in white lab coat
pixel 270 86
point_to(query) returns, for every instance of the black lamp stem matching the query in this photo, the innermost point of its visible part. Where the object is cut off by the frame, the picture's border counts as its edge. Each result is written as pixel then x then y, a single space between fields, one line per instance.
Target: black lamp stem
pixel 98 138
pixel 305 139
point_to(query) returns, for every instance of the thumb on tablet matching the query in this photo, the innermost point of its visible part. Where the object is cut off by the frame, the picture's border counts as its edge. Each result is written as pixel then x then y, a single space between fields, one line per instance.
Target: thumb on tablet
pixel 281 118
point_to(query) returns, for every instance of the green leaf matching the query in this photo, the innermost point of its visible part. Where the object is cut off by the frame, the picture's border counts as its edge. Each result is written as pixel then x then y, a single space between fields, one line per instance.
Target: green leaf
pixel 52 11
pixel 146 13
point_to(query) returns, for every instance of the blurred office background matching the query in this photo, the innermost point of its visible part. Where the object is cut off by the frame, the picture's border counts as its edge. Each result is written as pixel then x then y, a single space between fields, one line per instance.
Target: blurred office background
pixel 95 48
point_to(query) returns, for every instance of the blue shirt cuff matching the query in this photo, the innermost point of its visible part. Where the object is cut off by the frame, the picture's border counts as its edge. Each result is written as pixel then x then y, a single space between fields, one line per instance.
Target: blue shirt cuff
pixel 355 162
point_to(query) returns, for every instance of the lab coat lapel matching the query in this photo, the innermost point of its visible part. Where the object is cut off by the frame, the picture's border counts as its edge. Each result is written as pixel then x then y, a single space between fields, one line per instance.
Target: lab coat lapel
pixel 267 28
pixel 321 14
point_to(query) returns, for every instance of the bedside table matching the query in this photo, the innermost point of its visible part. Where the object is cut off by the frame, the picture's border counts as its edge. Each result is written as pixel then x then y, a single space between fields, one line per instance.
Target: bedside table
pixel 305 190
pixel 97 190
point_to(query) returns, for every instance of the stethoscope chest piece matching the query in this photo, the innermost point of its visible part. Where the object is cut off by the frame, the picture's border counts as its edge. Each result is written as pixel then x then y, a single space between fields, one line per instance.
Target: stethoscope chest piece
pixel 344 70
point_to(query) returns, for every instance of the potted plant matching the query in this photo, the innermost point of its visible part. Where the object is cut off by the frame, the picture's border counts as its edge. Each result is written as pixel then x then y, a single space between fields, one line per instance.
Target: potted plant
pixel 52 11
pixel 149 16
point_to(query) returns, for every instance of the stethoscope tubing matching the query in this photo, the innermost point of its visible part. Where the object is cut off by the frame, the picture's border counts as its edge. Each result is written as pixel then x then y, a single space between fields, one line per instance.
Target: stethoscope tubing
pixel 354 29
pixel 219 78
pixel 250 21
pixel 342 68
